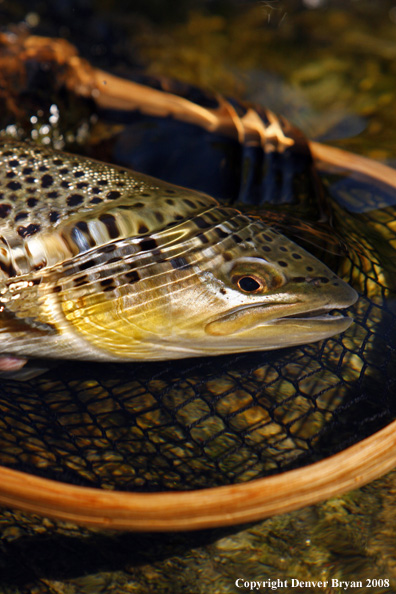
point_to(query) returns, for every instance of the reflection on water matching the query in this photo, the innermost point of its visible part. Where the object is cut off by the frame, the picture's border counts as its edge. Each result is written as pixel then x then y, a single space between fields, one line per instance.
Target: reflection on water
pixel 210 422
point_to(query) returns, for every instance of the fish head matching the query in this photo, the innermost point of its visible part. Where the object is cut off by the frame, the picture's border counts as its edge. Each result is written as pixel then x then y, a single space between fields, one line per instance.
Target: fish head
pixel 265 293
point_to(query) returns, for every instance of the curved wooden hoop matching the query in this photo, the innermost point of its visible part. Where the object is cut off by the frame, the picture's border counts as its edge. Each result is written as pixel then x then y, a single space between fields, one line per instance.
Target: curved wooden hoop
pixel 218 506
pixel 207 508
pixel 359 167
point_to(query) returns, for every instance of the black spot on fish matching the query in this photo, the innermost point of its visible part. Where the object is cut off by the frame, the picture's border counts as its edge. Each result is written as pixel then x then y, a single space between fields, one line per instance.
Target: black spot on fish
pixel 282 263
pixel 103 182
pixel 323 279
pixel 27 170
pixel 53 216
pixel 266 248
pixel 113 195
pixel 82 185
pixel 8 269
pixel 106 249
pixel 5 210
pixel 43 168
pixel 57 289
pixel 29 230
pixel 47 180
pixel 145 194
pixel 75 200
pixel 81 280
pixel 88 264
pixel 31 202
pixel 14 185
pixel 132 276
pixel 96 200
pixel 148 244
pixel 109 221
pixel 21 216
pixel 79 173
pixel 283 248
pixel 14 163
pixel 138 205
pixel 96 190
pixel 309 268
pixel 57 162
pixel 65 184
pixel 201 223
pixel 234 224
pixel 179 262
pixel 267 237
pixel 142 229
pixel 10 174
pixel 64 170
pixel 236 238
pixel 222 234
pixel 53 194
pixel 169 191
pixel 189 203
pixel 296 256
pixel 31 180
pixel 212 217
pixel 106 282
pixel 159 216
pixel 82 225
pixel 202 238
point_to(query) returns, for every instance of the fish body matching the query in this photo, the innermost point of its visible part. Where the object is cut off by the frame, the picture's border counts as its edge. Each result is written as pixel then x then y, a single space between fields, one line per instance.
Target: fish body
pixel 101 263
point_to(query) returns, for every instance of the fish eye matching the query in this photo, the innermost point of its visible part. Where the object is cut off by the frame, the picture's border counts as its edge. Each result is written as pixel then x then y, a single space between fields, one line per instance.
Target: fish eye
pixel 253 275
pixel 249 284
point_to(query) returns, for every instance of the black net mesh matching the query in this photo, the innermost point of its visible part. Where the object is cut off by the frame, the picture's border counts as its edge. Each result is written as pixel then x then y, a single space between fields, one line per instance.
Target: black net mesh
pixel 207 422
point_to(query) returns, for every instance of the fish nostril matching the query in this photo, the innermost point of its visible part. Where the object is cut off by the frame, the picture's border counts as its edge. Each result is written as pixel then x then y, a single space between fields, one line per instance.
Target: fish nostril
pixel 317 280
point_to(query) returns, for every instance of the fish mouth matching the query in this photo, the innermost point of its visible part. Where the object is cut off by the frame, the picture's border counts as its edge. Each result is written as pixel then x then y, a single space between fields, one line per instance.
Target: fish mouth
pixel 251 318
pixel 323 314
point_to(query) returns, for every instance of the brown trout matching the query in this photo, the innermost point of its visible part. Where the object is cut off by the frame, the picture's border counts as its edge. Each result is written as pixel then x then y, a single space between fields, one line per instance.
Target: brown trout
pixel 101 263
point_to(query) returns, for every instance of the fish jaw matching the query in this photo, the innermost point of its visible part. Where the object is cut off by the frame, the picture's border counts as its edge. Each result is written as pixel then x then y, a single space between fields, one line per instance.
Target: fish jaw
pixel 289 318
pixel 278 332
